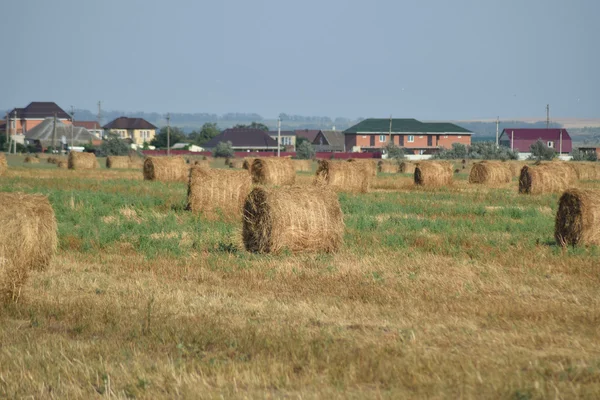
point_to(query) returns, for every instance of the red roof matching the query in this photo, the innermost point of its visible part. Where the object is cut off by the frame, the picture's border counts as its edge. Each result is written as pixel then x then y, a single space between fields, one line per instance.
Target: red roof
pixel 309 134
pixel 39 110
pixel 535 134
pixel 129 123
pixel 87 124
pixel 241 137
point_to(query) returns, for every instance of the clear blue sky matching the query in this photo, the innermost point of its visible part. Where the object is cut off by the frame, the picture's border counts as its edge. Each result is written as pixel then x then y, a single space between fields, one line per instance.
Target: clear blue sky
pixel 428 59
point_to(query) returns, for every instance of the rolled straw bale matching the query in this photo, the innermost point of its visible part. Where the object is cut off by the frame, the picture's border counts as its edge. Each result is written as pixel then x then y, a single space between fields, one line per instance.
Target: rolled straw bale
pixel 586 170
pixel 247 164
pixel 3 164
pixel 302 165
pixel 369 164
pixel 236 163
pixel 578 218
pixel 82 160
pixel 273 171
pixel 211 191
pixel 166 169
pixel 136 162
pixel 201 163
pixel 28 239
pixel 388 167
pixel 119 162
pixel 433 174
pixel 515 167
pixel 490 173
pixel 63 164
pixel 227 162
pixel 31 160
pixel 554 177
pixel 407 167
pixel 51 160
pixel 292 218
pixel 343 176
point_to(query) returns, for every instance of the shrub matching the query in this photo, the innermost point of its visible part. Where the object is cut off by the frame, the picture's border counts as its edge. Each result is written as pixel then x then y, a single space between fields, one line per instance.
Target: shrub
pixel 539 151
pixel 305 151
pixel 579 155
pixel 394 152
pixel 224 149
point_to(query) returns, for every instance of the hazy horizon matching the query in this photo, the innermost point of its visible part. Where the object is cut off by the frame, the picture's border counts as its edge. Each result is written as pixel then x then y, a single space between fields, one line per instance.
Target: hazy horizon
pixel 429 60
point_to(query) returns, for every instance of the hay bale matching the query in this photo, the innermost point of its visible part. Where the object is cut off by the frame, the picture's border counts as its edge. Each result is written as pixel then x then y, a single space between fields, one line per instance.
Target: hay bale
pixel 63 164
pixel 302 165
pixel 237 163
pixel 586 170
pixel 51 160
pixel 407 167
pixel 369 164
pixel 28 239
pixel 118 162
pixel 273 171
pixel 388 167
pixel 554 177
pixel 201 163
pixel 515 167
pixel 31 160
pixel 247 164
pixel 433 174
pixel 3 164
pixel 82 160
pixel 296 219
pixel 578 218
pixel 343 176
pixel 136 162
pixel 166 169
pixel 215 192
pixel 490 173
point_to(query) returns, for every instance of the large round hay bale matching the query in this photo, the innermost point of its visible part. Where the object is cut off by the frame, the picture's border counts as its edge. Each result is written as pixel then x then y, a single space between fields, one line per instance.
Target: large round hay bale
pixel 302 165
pixel 236 163
pixel 117 162
pixel 490 173
pixel 31 160
pixel 433 174
pixel 407 167
pixel 369 164
pixel 217 192
pixel 3 164
pixel 247 164
pixel 136 162
pixel 578 218
pixel 82 160
pixel 51 160
pixel 28 239
pixel 166 169
pixel 201 163
pixel 292 218
pixel 388 167
pixel 273 171
pixel 343 176
pixel 554 177
pixel 515 167
pixel 586 170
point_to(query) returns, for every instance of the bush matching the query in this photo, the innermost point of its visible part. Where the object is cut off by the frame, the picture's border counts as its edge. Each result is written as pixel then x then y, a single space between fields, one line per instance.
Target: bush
pixel 394 152
pixel 539 151
pixel 112 145
pixel 305 151
pixel 579 155
pixel 224 149
pixel 478 151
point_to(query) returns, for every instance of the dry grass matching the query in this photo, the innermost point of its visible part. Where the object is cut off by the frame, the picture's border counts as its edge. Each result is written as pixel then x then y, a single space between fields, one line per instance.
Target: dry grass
pixel 388 167
pixel 237 163
pixel 3 164
pixel 586 170
pixel 370 165
pixel 303 165
pixel 31 160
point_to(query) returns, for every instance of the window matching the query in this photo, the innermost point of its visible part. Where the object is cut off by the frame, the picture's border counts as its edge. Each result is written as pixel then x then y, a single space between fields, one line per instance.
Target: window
pixel 458 137
pixel 410 139
pixel 550 144
pixel 420 137
pixel 382 138
pixel 364 136
pixel 445 136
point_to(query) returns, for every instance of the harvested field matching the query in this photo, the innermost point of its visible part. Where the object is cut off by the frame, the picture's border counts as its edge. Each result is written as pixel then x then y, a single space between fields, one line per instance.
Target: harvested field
pixel 273 171
pixel 303 165
pixel 553 177
pixel 490 173
pixel 31 160
pixel 237 163
pixel 433 174
pixel 3 164
pixel 343 176
pixel 63 164
pixel 166 169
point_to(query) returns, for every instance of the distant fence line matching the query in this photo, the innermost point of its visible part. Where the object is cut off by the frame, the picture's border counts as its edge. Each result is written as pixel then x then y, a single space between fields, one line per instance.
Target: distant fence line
pixel 242 154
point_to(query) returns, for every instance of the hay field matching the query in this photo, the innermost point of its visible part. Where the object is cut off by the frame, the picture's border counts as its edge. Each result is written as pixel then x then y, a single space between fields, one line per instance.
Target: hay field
pixel 454 292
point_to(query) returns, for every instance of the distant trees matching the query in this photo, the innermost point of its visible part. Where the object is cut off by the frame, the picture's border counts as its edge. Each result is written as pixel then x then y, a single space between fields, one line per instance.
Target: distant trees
pixel 208 131
pixel 478 151
pixel 224 149
pixel 113 145
pixel 160 140
pixel 305 150
pixel 253 125
pixel 539 151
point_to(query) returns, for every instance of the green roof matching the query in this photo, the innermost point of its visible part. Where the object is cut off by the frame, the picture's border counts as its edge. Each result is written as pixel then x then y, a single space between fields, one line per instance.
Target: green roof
pixel 402 125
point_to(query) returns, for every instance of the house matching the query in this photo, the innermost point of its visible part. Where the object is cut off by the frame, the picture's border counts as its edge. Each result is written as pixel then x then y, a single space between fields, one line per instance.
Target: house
pixel 21 120
pixel 137 130
pixel 187 146
pixel 521 139
pixel 308 134
pixel 414 136
pixel 244 139
pixel 93 127
pixel 329 141
pixel 48 134
pixel 288 139
pixel 591 150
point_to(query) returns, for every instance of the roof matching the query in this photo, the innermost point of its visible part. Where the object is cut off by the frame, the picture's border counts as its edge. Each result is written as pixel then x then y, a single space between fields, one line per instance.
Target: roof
pixel 242 137
pixel 40 110
pixel 379 125
pixel 87 124
pixel 334 138
pixel 283 133
pixel 535 134
pixel 309 134
pixel 445 127
pixel 44 132
pixel 129 123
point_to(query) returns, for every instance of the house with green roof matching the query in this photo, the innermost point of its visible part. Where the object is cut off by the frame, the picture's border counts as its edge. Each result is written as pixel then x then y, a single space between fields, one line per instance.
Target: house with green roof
pixel 414 136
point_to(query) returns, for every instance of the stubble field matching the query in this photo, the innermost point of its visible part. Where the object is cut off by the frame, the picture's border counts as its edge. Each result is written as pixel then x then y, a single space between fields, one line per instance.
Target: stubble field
pixel 457 292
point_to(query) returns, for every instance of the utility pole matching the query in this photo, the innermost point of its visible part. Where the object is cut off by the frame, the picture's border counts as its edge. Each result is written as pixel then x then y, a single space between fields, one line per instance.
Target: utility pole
pixel 99 117
pixel 54 134
pixel 497 128
pixel 279 137
pixel 72 122
pixel 547 116
pixel 168 134
pixel 7 130
pixel 390 133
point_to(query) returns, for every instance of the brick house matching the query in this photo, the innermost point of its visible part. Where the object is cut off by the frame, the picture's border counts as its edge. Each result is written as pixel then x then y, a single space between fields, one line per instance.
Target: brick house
pixel 21 120
pixel 244 139
pixel 522 138
pixel 288 139
pixel 138 130
pixel 414 136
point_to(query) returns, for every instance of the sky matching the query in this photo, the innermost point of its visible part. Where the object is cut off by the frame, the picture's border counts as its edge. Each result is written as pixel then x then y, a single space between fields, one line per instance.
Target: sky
pixel 425 59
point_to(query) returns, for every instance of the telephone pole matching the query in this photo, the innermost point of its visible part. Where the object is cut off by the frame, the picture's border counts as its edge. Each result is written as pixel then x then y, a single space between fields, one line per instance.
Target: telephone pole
pixel 547 116
pixel 99 117
pixel 54 134
pixel 168 134
pixel 279 137
pixel 390 133
pixel 497 129
pixel 72 122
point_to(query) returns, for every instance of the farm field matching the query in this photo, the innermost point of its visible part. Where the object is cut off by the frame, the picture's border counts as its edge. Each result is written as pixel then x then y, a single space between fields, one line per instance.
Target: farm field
pixel 455 292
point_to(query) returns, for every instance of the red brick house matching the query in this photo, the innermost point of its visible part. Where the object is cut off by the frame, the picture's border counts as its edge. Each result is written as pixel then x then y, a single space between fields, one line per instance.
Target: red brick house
pixel 522 138
pixel 415 137
pixel 20 120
